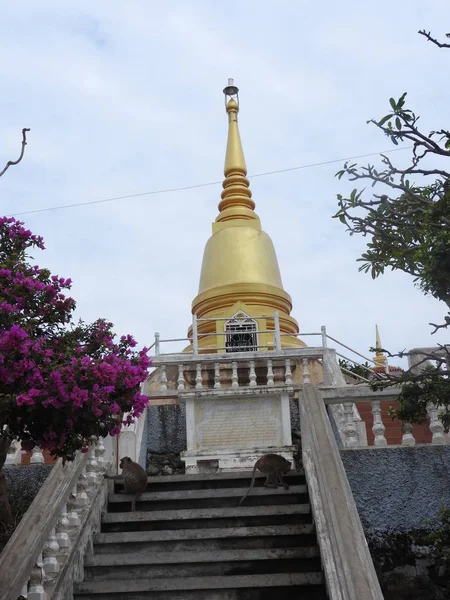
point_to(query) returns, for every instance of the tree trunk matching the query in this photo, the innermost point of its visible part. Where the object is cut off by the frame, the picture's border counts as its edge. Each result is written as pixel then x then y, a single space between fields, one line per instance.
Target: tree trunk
pixel 6 517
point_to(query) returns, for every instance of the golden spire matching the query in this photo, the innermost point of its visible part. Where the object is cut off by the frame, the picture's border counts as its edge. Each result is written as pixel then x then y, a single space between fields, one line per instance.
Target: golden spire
pixel 379 358
pixel 240 271
pixel 236 197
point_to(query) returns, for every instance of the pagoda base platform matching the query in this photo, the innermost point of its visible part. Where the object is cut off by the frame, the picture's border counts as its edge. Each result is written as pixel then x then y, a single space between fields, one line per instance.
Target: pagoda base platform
pixel 231 431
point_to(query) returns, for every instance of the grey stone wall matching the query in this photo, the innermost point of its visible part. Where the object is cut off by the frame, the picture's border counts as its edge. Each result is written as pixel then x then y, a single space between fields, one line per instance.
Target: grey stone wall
pixel 295 414
pixel 166 428
pixel 396 488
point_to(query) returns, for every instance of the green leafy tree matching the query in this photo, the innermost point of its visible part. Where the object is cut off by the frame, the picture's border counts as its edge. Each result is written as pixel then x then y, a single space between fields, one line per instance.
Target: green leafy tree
pixel 405 214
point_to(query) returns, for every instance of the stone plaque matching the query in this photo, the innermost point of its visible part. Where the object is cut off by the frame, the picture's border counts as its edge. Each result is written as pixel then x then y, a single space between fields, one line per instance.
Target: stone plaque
pixel 240 423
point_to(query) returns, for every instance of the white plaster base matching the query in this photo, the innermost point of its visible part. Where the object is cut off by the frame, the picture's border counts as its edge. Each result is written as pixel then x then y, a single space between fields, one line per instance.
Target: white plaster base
pixel 234 460
pixel 231 431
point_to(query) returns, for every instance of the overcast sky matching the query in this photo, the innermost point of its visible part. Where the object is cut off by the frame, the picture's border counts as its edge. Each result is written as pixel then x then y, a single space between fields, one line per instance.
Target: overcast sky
pixel 126 97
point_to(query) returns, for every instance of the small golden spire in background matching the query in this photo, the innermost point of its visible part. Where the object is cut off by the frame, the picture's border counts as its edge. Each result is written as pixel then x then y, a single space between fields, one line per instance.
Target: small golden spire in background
pixel 379 358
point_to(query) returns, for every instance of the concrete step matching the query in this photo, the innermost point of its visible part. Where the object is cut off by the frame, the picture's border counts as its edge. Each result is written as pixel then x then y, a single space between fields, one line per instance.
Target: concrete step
pixel 239 516
pixel 182 557
pixel 316 592
pixel 211 481
pixel 205 513
pixel 194 564
pixel 137 588
pixel 282 536
pixel 208 498
pixel 222 476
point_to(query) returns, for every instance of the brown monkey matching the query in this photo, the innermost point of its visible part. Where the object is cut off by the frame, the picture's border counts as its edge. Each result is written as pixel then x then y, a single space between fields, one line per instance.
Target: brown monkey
pixel 134 478
pixel 274 466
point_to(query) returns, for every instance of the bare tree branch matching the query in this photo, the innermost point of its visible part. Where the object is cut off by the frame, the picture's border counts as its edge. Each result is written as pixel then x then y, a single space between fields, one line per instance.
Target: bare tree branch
pixel 433 40
pixel 16 162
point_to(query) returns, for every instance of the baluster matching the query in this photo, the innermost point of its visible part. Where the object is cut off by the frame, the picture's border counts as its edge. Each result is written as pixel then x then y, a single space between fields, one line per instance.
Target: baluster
pixel 72 516
pixel 62 529
pixel 50 553
pixel 180 380
pixel 198 377
pixel 90 472
pixel 163 379
pixel 11 457
pixel 36 590
pixel 217 376
pixel 37 458
pixel 350 432
pixel 306 378
pixel 100 455
pixel 270 381
pixel 378 428
pixel 407 438
pixel 252 375
pixel 234 375
pixel 436 426
pixel 84 487
pixel 287 372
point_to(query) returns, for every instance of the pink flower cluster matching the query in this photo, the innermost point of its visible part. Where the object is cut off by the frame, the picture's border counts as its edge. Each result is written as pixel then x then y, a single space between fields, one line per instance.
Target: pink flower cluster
pixel 60 383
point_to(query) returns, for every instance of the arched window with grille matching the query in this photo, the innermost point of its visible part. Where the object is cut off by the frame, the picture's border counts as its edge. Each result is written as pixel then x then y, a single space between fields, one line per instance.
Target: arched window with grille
pixel 241 334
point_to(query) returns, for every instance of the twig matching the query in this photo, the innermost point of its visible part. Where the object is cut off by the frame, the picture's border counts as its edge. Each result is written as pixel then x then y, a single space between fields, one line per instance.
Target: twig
pixel 431 39
pixel 16 162
pixel 443 326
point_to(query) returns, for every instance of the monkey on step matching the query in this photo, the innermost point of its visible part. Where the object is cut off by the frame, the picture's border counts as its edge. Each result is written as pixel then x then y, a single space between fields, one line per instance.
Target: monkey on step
pixel 274 466
pixel 134 478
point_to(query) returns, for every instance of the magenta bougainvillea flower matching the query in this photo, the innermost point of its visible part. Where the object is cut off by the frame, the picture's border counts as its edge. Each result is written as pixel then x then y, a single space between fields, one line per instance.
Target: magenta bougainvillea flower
pixel 61 383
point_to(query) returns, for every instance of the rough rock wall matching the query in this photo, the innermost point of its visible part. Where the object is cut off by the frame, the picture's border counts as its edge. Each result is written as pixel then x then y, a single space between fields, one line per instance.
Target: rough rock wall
pixel 396 488
pixel 398 493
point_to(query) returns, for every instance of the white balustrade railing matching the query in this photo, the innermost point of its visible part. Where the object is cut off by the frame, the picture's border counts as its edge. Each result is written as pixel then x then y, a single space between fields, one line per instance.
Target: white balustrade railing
pixel 364 394
pixel 345 556
pixel 181 373
pixel 38 560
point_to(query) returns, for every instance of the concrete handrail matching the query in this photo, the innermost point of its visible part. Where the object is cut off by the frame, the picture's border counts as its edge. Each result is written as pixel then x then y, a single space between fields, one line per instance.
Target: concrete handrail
pixel 22 550
pixel 347 563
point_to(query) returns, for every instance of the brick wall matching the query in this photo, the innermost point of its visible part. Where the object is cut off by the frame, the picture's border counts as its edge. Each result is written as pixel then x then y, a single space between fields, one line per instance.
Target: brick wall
pixel 393 431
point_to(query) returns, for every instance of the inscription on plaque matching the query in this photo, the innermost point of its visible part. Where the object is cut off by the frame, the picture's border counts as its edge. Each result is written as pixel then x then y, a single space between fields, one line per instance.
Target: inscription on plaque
pixel 243 423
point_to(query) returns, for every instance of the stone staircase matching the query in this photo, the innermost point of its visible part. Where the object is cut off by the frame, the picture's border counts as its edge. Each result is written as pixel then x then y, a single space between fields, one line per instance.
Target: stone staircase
pixel 189 539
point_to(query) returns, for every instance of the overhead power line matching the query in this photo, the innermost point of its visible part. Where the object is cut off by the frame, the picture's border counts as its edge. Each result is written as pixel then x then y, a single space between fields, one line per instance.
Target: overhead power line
pixel 201 185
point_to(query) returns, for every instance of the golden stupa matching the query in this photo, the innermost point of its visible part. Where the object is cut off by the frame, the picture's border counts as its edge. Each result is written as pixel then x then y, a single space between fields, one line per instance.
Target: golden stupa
pixel 240 272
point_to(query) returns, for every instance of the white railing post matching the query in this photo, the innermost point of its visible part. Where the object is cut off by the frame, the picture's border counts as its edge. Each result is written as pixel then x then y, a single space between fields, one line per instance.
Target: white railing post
pixel 37 458
pixel 252 374
pixel 378 428
pixel 323 330
pixel 407 438
pixel 180 380
pixel 287 372
pixel 276 333
pixel 157 336
pixel 36 590
pixel 198 377
pixel 436 426
pixel 350 432
pixel 194 334
pixel 306 378
pixel 163 379
pixel 234 375
pixel 217 376
pixel 270 379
